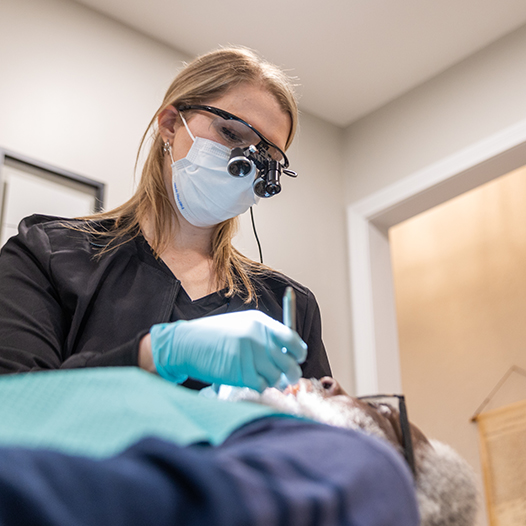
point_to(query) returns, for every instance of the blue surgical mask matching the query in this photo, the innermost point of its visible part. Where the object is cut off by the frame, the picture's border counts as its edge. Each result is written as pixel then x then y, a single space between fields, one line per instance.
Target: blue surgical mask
pixel 205 193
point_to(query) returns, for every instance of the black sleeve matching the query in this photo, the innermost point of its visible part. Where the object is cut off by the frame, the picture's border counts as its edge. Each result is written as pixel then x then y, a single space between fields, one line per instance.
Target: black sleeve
pixel 34 324
pixel 317 364
pixel 123 355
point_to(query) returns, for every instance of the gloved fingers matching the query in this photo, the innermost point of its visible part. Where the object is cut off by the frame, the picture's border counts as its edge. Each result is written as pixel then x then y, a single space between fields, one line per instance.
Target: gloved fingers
pixel 271 360
pixel 286 363
pixel 253 321
pixel 256 371
pixel 262 369
pixel 282 336
pixel 242 349
pixel 258 384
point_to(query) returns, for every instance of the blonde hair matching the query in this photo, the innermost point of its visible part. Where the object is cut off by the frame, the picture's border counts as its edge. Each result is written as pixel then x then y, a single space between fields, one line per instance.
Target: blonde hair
pixel 203 80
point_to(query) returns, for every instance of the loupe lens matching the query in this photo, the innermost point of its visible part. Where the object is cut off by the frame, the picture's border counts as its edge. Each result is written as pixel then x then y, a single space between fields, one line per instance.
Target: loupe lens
pixel 259 188
pixel 239 165
pixel 272 189
pixel 264 189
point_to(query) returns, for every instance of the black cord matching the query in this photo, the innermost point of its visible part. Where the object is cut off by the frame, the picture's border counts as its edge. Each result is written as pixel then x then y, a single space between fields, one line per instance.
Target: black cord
pixel 256 235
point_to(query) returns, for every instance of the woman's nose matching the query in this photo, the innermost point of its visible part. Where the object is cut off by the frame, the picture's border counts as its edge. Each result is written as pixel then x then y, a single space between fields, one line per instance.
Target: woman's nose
pixel 331 386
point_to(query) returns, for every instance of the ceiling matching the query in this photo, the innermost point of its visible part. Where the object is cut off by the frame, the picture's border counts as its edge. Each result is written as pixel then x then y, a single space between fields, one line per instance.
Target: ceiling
pixel 350 56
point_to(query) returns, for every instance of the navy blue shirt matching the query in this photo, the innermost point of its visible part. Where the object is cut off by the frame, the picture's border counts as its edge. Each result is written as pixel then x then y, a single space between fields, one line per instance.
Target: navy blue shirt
pixel 271 472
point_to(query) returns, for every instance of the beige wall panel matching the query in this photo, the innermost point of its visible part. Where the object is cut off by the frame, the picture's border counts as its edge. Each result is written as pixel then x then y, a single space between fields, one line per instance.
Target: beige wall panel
pixel 460 281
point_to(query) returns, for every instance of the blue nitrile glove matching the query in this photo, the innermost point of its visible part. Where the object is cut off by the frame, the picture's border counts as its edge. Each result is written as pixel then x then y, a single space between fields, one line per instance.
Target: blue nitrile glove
pixel 245 349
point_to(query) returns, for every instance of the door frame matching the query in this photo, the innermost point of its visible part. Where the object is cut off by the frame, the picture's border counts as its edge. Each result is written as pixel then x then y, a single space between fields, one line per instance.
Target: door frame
pixel 373 315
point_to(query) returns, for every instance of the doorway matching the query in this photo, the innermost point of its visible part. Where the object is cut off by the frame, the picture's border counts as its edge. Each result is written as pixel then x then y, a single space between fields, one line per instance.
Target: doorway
pixel 377 360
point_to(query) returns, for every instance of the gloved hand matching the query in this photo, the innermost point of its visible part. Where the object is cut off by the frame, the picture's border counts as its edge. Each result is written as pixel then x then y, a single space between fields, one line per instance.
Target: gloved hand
pixel 245 349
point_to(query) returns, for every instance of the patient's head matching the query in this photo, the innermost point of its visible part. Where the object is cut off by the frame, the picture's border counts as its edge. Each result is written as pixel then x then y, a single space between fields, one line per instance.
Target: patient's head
pixel 444 482
pixel 326 401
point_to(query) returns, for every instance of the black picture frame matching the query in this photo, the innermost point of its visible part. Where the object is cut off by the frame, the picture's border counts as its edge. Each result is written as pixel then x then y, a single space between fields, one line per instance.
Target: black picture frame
pixel 20 160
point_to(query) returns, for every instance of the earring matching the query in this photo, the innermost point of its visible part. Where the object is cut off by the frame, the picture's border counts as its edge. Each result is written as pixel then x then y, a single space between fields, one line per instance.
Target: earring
pixel 167 148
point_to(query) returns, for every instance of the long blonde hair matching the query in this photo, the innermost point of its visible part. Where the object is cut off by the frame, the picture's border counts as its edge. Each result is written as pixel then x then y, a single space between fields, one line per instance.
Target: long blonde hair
pixel 203 80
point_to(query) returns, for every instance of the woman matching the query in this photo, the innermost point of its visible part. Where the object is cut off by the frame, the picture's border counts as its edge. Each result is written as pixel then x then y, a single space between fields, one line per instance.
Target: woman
pixel 156 282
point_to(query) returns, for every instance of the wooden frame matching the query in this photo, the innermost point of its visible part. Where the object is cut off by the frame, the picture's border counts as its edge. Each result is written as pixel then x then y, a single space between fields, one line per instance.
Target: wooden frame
pixel 501 465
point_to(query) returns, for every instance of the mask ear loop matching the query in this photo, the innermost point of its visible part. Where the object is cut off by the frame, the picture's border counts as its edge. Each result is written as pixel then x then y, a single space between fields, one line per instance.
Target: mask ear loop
pixel 167 146
pixel 186 126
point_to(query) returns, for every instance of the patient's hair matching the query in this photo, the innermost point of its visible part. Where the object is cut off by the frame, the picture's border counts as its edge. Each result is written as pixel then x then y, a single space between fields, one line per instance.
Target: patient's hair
pixel 445 487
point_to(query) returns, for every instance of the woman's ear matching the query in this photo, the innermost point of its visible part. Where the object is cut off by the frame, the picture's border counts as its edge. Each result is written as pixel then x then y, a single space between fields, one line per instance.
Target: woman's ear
pixel 167 123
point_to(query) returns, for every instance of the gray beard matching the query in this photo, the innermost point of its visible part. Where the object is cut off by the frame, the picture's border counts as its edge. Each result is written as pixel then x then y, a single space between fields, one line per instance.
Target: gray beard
pixel 309 404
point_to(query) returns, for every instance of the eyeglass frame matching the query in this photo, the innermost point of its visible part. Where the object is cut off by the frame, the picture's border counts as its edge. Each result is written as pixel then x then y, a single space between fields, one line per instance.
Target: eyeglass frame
pixel 231 117
pixel 407 441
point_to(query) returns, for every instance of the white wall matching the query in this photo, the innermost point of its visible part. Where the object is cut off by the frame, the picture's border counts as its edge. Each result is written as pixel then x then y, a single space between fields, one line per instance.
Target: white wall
pixel 474 99
pixel 77 91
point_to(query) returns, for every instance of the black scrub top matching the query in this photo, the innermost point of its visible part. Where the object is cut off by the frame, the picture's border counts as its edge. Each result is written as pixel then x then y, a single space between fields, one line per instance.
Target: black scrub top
pixel 61 306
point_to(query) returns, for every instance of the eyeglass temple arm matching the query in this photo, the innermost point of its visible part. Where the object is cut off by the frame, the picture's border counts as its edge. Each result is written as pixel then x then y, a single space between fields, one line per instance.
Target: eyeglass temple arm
pixel 406 434
pixel 407 441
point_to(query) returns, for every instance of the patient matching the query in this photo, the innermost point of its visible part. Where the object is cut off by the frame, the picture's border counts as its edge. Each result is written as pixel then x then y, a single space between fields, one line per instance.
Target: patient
pixel 445 484
pixel 121 446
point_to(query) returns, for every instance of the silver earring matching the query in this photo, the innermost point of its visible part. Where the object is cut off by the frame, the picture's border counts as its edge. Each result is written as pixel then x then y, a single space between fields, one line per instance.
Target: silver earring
pixel 168 149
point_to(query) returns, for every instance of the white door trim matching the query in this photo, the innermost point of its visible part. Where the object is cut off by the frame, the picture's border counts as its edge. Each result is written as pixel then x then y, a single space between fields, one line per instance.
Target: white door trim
pixel 373 316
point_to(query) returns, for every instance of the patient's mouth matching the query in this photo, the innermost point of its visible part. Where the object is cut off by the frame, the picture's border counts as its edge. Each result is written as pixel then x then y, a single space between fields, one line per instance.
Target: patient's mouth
pixel 303 384
pixel 292 389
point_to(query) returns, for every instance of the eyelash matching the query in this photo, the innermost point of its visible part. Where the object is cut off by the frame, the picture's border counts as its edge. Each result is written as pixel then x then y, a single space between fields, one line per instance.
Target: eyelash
pixel 230 136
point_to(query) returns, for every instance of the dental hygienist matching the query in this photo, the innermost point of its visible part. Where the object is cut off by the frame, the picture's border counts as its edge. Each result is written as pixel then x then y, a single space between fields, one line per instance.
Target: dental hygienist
pixel 156 282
